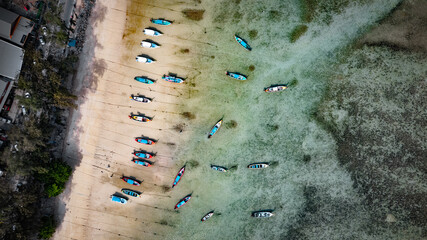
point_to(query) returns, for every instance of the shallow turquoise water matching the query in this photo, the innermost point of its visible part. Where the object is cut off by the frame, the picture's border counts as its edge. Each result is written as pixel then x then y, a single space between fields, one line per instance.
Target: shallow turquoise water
pixel 270 127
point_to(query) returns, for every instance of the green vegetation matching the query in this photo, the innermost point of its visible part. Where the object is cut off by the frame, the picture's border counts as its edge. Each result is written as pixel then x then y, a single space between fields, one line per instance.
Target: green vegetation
pixel 297 33
pixel 55 178
pixel 48 227
pixel 308 9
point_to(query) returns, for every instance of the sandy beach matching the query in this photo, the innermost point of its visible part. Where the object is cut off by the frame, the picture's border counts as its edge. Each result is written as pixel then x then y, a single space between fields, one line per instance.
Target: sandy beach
pixel 101 138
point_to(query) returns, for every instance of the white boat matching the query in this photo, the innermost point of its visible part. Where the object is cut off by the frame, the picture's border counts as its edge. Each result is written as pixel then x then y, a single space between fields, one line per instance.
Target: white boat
pixel 258 165
pixel 144 59
pixel 151 32
pixel 147 44
pixel 262 214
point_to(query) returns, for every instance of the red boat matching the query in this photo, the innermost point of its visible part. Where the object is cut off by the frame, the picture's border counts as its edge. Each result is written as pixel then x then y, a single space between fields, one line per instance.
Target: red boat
pixel 183 201
pixel 140 118
pixel 178 177
pixel 142 162
pixel 143 154
pixel 131 181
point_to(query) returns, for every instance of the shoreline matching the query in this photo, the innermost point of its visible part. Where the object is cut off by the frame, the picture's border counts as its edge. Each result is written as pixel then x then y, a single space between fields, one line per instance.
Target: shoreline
pixel 100 136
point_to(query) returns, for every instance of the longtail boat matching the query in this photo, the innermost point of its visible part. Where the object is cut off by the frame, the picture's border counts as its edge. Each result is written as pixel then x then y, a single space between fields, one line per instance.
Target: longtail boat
pixel 258 165
pixel 236 75
pixel 262 214
pixel 144 80
pixel 143 154
pixel 242 42
pixel 152 32
pixel 140 118
pixel 215 128
pixel 141 98
pixel 173 79
pixel 142 162
pixel 149 44
pixel 276 88
pixel 119 199
pixel 145 140
pixel 144 59
pixel 131 192
pixel 132 181
pixel 161 21
pixel 219 168
pixel 178 177
pixel 183 201
pixel 207 216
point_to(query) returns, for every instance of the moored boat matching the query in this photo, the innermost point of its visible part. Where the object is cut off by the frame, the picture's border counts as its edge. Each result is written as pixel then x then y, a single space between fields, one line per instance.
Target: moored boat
pixel 149 44
pixel 140 118
pixel 276 88
pixel 178 177
pixel 119 199
pixel 144 59
pixel 152 32
pixel 218 168
pixel 143 154
pixel 262 214
pixel 142 162
pixel 183 201
pixel 161 21
pixel 144 80
pixel 145 140
pixel 140 98
pixel 215 128
pixel 236 75
pixel 242 42
pixel 173 79
pixel 131 192
pixel 258 165
pixel 207 216
pixel 132 181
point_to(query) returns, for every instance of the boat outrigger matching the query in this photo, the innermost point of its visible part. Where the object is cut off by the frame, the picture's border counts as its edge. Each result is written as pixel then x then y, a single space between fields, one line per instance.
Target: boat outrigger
pixel 183 201
pixel 276 88
pixel 141 98
pixel 144 80
pixel 131 192
pixel 243 43
pixel 152 32
pixel 161 21
pixel 142 162
pixel 143 154
pixel 178 177
pixel 207 216
pixel 262 214
pixel 119 199
pixel 149 44
pixel 144 59
pixel 145 140
pixel 215 128
pixel 132 181
pixel 258 165
pixel 236 75
pixel 173 79
pixel 219 168
pixel 140 118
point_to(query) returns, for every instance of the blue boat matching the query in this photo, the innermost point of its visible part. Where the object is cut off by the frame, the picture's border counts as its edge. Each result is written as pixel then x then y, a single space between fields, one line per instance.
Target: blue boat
pixel 143 154
pixel 243 43
pixel 178 176
pixel 144 80
pixel 145 140
pixel 174 79
pixel 183 201
pixel 118 199
pixel 258 165
pixel 161 21
pixel 236 75
pixel 215 128
pixel 131 192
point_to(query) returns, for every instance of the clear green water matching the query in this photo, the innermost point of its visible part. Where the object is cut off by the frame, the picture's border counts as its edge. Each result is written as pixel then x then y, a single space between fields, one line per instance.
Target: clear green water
pixel 270 127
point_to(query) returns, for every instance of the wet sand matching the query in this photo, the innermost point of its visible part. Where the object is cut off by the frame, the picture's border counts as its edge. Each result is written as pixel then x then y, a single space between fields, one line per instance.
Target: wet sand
pixel 101 136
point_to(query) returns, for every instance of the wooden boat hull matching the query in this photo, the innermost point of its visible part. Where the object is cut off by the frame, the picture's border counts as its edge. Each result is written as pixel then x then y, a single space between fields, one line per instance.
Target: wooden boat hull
pixel 258 165
pixel 178 177
pixel 215 128
pixel 207 216
pixel 183 201
pixel 243 43
pixel 276 88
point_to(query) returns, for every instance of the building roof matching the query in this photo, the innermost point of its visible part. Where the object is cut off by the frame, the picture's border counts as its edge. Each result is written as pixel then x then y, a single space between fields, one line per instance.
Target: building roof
pixel 11 58
pixel 13 27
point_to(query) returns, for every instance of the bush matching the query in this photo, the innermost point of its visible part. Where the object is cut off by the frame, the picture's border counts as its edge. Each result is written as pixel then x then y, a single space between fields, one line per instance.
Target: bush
pixel 48 227
pixel 55 178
